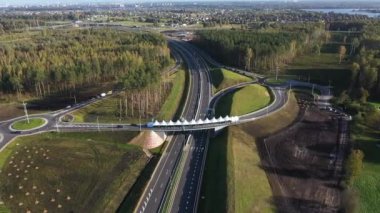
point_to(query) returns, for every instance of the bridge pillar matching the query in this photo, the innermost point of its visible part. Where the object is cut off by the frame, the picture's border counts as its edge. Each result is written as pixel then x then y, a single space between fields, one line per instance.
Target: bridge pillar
pixel 154 139
pixel 218 130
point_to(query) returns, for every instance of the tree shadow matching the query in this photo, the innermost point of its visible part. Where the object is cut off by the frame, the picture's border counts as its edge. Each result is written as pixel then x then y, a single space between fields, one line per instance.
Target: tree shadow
pixel 300 205
pixel 217 77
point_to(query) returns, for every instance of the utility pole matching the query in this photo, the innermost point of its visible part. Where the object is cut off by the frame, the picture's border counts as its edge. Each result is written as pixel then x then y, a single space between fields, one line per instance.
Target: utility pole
pixel 277 72
pixel 75 99
pixel 56 125
pixel 140 122
pixel 97 121
pixel 26 111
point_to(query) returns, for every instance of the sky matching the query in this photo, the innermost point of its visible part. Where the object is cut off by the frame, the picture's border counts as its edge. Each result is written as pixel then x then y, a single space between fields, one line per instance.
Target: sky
pixel 44 2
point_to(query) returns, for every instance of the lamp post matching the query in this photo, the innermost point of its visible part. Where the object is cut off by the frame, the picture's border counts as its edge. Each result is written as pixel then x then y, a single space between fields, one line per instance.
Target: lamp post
pixel 140 122
pixel 26 111
pixel 97 121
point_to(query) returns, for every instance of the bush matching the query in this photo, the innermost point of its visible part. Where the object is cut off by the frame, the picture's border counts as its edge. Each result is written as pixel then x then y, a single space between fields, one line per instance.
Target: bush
pixel 354 166
pixel 349 202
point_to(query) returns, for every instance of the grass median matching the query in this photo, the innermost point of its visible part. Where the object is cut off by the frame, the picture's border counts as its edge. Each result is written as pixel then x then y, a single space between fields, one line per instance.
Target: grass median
pixel 69 172
pixel 25 125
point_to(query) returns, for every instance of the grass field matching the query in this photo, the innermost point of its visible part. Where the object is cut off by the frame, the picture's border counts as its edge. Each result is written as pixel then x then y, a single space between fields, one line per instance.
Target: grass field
pixel 173 101
pixel 66 172
pixel 322 69
pixel 233 180
pixel 278 81
pixel 368 183
pixel 12 107
pixel 243 101
pixel 108 110
pixel 15 109
pixel 24 125
pixel 222 78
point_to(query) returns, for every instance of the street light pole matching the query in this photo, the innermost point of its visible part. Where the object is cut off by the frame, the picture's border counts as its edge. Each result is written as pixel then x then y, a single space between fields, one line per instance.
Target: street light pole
pixel 56 125
pixel 26 111
pixel 97 121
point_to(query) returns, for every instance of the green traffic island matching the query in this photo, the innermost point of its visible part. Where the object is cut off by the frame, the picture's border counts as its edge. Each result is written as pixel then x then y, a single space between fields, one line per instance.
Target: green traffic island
pixel 25 124
pixel 243 101
pixel 222 78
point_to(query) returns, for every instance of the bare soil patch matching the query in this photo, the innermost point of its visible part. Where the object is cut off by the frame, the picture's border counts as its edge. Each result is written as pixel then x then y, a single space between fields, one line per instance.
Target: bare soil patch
pixel 300 162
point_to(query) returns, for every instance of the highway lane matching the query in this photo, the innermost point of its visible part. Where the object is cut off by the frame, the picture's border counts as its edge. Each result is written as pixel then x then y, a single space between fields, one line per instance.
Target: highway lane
pixel 157 188
pixel 185 195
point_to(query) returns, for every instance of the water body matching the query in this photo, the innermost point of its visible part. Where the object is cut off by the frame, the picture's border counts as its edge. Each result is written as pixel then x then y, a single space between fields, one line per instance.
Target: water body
pixel 346 11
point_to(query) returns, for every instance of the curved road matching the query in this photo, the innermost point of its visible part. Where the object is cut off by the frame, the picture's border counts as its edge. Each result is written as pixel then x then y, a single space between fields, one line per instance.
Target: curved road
pixel 175 184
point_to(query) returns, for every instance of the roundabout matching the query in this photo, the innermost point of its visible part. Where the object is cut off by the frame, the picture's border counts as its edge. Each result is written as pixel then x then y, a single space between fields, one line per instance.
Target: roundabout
pixel 25 125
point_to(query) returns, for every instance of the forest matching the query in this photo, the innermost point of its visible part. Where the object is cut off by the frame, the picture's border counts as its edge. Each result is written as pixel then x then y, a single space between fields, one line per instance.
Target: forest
pixel 259 51
pixel 63 60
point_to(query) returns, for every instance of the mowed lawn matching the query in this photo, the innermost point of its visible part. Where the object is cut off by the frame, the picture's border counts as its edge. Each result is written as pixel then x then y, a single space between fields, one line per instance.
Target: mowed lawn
pixel 368 183
pixel 243 101
pixel 69 172
pixel 222 78
pixel 25 125
pixel 233 180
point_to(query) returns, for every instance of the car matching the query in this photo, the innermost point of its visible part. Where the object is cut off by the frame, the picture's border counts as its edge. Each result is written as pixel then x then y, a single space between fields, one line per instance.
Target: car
pixel 16 132
pixel 68 107
pixel 119 126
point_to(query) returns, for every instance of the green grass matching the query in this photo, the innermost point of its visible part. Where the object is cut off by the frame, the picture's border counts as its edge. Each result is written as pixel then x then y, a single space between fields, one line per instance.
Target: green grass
pixel 233 180
pixel 322 69
pixel 95 170
pixel 108 110
pixel 368 183
pixel 278 81
pixel 243 101
pixel 4 209
pixel 173 101
pixel 24 125
pixel 222 78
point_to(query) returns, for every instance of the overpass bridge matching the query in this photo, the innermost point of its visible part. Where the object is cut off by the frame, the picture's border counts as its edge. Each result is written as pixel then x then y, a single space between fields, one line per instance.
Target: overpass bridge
pixel 163 126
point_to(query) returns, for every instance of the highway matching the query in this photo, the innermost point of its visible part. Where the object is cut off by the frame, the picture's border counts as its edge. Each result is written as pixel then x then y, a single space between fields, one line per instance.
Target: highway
pixel 158 188
pixel 175 184
pixel 184 190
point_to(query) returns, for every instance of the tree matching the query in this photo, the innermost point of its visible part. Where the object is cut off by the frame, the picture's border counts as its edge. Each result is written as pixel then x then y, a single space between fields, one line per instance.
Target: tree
pixel 342 51
pixel 354 166
pixel 248 58
pixel 354 45
pixel 316 49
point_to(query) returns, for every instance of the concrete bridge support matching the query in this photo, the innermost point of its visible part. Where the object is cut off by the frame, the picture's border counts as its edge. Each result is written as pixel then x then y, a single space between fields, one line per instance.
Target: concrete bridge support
pixel 154 139
pixel 218 130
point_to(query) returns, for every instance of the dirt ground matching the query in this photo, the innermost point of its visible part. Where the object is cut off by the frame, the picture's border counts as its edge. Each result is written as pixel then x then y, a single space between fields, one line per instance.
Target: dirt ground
pixel 300 161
